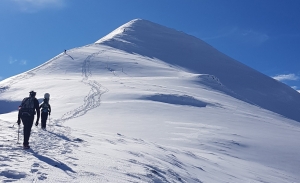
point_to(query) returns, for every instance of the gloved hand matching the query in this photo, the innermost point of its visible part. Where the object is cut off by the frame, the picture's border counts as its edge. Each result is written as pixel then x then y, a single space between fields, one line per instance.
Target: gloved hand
pixel 36 123
pixel 19 122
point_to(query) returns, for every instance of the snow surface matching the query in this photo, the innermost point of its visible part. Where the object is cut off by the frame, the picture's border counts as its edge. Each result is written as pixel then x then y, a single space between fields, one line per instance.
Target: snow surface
pixel 137 107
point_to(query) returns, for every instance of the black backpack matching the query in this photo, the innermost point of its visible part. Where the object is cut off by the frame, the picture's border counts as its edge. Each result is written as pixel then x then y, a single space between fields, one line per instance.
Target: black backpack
pixel 27 107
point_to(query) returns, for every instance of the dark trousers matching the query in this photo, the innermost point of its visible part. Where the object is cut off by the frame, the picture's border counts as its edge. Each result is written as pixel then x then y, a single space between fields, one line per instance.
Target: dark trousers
pixel 44 117
pixel 27 123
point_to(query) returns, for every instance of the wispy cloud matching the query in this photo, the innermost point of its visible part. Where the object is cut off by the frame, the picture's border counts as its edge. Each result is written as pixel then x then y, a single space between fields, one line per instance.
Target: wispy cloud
pixel 254 36
pixel 11 60
pixel 31 6
pixel 243 35
pixel 287 77
pixel 23 62
pixel 223 34
pixel 20 62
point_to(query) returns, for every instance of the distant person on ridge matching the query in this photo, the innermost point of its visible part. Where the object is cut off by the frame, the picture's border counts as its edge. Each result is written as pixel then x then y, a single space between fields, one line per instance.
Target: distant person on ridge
pixel 45 110
pixel 28 108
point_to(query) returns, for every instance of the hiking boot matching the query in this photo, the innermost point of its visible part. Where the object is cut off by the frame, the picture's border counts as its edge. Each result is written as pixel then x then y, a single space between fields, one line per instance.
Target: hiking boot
pixel 26 146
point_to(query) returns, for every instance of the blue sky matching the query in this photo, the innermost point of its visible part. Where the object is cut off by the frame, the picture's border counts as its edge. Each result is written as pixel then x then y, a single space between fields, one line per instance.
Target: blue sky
pixel 263 34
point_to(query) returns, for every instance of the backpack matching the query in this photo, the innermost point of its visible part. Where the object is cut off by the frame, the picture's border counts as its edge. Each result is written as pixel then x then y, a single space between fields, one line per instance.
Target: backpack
pixel 45 107
pixel 27 107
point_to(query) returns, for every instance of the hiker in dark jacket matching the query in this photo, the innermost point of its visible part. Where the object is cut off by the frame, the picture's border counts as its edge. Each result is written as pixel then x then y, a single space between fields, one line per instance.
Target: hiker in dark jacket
pixel 45 110
pixel 27 110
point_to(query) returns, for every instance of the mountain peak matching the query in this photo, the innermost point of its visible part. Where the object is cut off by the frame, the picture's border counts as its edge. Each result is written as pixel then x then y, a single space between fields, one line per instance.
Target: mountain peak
pixel 177 48
pixel 122 29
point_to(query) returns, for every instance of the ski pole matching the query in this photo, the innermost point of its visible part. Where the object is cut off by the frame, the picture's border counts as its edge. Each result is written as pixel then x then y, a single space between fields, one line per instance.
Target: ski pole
pixel 49 119
pixel 18 133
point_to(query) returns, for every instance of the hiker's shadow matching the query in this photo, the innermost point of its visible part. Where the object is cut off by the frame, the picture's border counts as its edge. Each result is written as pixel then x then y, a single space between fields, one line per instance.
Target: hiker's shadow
pixel 52 162
pixel 70 56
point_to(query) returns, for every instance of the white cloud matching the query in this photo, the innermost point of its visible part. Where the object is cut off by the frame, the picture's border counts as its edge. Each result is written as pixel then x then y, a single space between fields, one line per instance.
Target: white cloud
pixel 13 61
pixel 285 77
pixel 254 36
pixel 223 34
pixel 23 62
pixel 244 35
pixel 31 6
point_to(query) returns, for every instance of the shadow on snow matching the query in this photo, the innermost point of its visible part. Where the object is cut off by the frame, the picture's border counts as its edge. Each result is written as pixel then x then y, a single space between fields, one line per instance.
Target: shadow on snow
pixel 52 162
pixel 176 99
pixel 10 106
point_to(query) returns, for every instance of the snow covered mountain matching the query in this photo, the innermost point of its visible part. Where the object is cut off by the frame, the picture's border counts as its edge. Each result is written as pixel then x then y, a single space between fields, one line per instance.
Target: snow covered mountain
pixel 148 103
pixel 177 48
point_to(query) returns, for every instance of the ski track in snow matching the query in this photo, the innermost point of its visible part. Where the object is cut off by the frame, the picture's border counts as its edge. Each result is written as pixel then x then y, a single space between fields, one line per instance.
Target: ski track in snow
pixel 93 99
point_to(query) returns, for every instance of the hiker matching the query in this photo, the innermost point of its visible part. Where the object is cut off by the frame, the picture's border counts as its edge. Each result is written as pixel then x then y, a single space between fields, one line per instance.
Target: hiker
pixel 27 110
pixel 45 110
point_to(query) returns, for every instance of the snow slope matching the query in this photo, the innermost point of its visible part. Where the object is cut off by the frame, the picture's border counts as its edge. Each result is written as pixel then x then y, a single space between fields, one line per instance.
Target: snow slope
pixel 128 109
pixel 177 48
